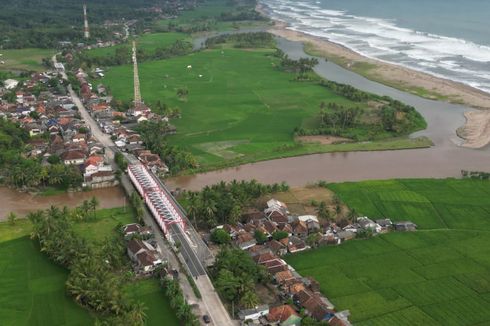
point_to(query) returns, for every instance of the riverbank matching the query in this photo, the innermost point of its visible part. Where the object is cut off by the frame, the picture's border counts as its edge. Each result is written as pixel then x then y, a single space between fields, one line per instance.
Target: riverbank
pixel 398 77
pixel 22 203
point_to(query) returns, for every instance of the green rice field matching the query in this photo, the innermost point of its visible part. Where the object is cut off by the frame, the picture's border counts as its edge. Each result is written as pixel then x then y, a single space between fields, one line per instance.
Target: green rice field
pixel 239 107
pixel 32 288
pixel 24 59
pixel 146 42
pixel 438 275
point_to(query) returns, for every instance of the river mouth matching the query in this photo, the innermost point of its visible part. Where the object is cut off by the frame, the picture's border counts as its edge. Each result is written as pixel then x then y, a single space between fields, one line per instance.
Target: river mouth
pixel 445 159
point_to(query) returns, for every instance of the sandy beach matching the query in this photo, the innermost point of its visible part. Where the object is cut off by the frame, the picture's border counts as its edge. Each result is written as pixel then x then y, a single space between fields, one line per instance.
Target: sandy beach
pixel 477 128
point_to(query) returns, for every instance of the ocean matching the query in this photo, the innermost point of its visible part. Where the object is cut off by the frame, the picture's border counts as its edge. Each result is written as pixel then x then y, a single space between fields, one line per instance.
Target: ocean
pixel 445 38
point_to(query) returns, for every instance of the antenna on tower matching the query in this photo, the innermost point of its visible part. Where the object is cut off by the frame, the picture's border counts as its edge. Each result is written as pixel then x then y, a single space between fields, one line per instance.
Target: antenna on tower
pixel 138 103
pixel 86 32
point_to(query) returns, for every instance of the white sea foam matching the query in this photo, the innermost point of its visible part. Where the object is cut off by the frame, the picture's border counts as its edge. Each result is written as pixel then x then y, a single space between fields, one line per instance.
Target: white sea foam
pixel 442 56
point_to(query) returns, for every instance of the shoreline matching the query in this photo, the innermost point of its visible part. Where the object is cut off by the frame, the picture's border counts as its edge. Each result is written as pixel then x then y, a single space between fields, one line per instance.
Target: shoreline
pixel 475 132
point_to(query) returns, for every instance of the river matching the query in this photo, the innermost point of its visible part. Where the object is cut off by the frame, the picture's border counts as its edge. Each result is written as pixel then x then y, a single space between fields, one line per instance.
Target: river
pixel 22 203
pixel 445 159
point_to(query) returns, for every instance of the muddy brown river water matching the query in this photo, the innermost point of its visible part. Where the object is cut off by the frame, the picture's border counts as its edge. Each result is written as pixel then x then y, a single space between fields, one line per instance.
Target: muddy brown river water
pixel 23 203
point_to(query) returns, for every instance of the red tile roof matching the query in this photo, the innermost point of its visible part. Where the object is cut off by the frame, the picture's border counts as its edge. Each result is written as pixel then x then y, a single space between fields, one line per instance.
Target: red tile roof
pixel 281 313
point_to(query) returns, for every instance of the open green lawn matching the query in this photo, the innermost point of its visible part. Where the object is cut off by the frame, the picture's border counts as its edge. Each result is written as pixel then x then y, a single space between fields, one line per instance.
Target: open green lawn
pixel 158 310
pixel 439 275
pixel 32 288
pixel 24 59
pixel 240 107
pixel 146 42
pixel 105 223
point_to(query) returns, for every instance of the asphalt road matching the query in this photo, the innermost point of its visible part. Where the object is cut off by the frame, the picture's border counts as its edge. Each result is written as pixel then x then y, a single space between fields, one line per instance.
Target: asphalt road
pixel 192 261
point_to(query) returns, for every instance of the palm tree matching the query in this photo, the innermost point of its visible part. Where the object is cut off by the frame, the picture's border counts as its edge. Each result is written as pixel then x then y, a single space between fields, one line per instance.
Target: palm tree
pixel 249 299
pixel 193 208
pixel 11 218
pixel 94 202
pixel 235 214
pixel 322 210
pixel 136 315
pixel 210 211
pixel 85 207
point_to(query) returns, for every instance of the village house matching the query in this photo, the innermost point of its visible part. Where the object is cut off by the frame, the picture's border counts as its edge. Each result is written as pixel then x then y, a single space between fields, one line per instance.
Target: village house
pixel 300 229
pixel 75 157
pixel 133 229
pixel 340 319
pixel 144 255
pixel 245 241
pixel 385 224
pixel 274 205
pixel 346 235
pixel 264 258
pixel 254 314
pixel 283 315
pixel 295 244
pixel 314 305
pixel 275 266
pixel 367 224
pixel 101 179
pixel 283 276
pixel 277 247
pixel 278 218
pixel 130 230
pixel 405 226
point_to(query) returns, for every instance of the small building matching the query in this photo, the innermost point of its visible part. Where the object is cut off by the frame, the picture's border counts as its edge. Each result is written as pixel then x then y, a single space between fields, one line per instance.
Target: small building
pixel 277 247
pixel 10 84
pixel 405 226
pixel 74 157
pixel 130 230
pixel 295 244
pixel 254 314
pixel 368 224
pixel 144 255
pixel 245 241
pixel 386 224
pixel 284 315
pixel 283 277
pixel 346 235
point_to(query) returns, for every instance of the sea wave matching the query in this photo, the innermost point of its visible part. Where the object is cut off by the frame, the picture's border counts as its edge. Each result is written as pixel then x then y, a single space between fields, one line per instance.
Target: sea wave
pixel 442 56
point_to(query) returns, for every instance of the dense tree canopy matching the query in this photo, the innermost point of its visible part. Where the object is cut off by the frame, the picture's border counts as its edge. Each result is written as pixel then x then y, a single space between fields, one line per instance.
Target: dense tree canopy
pixel 43 23
pixel 235 275
pixel 223 202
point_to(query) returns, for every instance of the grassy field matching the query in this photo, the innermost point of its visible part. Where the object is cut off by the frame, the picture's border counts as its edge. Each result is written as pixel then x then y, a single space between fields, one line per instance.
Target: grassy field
pixel 304 200
pixel 240 108
pixel 24 59
pixel 438 275
pixel 146 42
pixel 32 288
pixel 105 223
pixel 151 294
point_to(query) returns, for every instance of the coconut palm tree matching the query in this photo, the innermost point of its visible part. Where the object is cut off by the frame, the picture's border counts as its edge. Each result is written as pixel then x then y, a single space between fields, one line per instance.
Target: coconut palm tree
pixel 94 203
pixel 249 299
